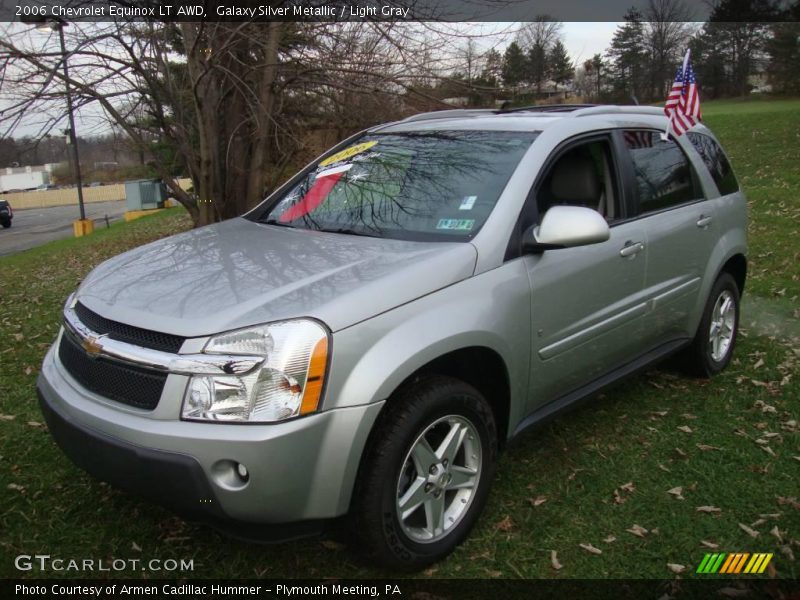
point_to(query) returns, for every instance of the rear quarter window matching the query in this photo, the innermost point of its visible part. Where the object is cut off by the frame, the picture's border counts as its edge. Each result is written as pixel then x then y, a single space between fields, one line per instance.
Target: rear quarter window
pixel 716 162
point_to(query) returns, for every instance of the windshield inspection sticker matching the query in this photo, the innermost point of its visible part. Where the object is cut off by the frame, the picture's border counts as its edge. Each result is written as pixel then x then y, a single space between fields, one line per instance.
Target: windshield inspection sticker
pixel 467 202
pixel 347 153
pixel 456 224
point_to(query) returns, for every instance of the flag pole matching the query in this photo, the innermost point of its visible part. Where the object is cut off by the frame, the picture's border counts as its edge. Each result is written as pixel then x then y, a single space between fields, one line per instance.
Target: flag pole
pixel 665 135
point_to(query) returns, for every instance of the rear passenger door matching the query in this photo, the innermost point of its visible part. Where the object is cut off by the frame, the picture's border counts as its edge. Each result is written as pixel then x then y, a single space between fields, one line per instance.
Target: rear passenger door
pixel 669 203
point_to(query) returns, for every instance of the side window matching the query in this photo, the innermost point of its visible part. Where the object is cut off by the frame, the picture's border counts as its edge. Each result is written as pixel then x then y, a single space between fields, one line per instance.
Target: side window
pixel 582 176
pixel 664 176
pixel 716 162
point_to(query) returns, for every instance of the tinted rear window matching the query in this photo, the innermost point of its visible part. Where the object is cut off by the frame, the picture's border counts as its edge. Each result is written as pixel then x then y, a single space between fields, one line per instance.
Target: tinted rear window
pixel 716 162
pixel 664 176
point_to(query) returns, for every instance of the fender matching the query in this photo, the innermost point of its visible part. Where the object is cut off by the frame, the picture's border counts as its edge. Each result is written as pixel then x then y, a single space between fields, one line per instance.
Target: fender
pixel 372 358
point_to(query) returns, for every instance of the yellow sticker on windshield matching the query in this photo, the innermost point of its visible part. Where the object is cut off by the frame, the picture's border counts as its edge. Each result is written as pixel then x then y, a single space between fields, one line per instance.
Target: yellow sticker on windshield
pixel 347 153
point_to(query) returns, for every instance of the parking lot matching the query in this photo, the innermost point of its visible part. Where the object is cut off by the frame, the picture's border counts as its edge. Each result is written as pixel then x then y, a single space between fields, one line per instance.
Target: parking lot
pixel 36 226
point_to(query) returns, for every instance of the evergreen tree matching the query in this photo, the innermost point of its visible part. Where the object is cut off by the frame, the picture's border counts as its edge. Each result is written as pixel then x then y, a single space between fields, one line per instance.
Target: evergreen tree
pixel 514 65
pixel 493 68
pixel 784 57
pixel 628 57
pixel 731 43
pixel 536 70
pixel 560 67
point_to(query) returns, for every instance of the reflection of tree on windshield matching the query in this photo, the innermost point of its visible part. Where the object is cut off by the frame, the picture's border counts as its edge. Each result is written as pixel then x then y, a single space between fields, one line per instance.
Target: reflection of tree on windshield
pixel 408 183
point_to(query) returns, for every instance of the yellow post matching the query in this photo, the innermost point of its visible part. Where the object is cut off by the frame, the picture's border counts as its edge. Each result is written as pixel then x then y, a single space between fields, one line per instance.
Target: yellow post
pixel 82 227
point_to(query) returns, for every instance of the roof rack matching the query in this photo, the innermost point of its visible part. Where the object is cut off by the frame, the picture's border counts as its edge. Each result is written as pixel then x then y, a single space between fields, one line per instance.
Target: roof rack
pixel 449 114
pixel 574 110
pixel 616 109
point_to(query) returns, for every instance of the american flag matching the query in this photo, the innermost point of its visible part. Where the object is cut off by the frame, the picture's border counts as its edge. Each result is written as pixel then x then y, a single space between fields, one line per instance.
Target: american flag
pixel 637 139
pixel 683 102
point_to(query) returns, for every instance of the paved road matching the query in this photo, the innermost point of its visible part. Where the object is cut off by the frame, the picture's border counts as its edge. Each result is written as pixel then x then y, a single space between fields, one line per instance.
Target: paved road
pixel 36 226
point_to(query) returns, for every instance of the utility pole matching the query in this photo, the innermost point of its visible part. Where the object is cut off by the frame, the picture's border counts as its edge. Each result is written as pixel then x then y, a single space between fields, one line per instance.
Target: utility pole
pixel 73 140
pixel 83 226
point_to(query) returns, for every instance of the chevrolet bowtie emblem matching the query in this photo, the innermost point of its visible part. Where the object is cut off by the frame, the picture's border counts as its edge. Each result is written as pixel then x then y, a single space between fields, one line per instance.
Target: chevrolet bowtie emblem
pixel 92 346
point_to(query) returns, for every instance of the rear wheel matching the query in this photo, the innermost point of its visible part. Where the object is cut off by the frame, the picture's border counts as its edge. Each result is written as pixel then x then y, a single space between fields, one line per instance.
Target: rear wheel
pixel 426 474
pixel 712 347
pixel 6 223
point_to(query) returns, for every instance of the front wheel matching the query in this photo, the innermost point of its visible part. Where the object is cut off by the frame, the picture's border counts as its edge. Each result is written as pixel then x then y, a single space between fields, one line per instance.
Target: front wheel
pixel 6 224
pixel 426 474
pixel 712 347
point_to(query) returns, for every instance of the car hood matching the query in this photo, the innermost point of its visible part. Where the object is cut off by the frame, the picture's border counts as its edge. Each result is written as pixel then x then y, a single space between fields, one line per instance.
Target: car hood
pixel 239 273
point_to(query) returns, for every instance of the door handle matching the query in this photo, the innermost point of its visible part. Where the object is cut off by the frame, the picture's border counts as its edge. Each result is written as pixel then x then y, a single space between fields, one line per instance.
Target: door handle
pixel 704 221
pixel 631 249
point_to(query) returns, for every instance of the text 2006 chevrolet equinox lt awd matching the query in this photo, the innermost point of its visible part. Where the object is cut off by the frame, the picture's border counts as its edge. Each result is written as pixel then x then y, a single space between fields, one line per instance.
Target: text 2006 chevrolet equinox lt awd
pixel 365 341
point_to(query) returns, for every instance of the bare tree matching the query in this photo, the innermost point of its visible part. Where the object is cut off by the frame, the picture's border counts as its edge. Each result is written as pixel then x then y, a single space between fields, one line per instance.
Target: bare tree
pixel 542 32
pixel 667 36
pixel 233 100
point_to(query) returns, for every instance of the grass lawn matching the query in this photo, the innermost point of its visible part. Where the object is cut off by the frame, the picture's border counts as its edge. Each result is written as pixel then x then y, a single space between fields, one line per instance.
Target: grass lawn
pixel 627 474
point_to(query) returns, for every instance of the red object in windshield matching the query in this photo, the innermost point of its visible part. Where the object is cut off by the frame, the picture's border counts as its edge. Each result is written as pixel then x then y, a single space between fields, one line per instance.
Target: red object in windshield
pixel 315 196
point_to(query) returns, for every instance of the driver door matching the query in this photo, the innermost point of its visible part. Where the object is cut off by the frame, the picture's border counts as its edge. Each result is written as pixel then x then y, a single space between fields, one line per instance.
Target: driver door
pixel 587 302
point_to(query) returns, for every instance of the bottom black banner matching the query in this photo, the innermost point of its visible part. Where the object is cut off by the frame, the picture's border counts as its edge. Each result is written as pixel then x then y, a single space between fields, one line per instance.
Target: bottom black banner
pixel 416 589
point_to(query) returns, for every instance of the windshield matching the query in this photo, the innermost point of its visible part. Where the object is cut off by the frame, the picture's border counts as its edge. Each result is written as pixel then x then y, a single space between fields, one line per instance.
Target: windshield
pixel 416 186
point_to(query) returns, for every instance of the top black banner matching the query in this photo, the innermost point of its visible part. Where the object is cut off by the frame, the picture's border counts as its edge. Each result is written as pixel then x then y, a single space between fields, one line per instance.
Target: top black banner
pixel 376 10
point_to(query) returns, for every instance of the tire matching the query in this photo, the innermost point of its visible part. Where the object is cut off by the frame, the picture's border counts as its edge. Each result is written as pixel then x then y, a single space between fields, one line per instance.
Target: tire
pixel 396 464
pixel 709 352
pixel 6 224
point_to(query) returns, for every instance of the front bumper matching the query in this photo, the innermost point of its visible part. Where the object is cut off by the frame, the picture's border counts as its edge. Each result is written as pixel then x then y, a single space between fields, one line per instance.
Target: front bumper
pixel 299 470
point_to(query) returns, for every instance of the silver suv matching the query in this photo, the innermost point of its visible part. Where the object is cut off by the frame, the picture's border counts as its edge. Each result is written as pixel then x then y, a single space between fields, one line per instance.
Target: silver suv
pixel 366 340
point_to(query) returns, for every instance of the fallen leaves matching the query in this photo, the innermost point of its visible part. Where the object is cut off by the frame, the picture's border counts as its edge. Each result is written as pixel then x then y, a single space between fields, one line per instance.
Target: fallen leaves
pixel 685 428
pixel 629 488
pixel 709 509
pixel 709 545
pixel 609 539
pixel 763 406
pixel 748 530
pixel 538 501
pixel 590 548
pixel 637 530
pixel 7 417
pixel 776 533
pixel 505 525
pixel 677 493
pixel 707 448
pixel 16 487
pixel 331 545
pixel 676 568
pixel 554 560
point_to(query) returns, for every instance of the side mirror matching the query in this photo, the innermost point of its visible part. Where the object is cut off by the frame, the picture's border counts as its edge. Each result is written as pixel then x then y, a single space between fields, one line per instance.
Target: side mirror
pixel 566 227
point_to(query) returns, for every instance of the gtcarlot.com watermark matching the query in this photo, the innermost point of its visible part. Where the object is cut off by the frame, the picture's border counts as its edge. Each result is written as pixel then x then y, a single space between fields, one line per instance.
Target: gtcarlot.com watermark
pixel 46 562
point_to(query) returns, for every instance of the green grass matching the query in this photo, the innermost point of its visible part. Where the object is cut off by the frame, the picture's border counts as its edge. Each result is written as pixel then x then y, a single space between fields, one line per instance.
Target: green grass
pixel 589 476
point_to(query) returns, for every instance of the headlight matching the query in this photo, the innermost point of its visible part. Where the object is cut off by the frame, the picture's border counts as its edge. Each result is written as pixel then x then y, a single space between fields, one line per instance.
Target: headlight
pixel 288 384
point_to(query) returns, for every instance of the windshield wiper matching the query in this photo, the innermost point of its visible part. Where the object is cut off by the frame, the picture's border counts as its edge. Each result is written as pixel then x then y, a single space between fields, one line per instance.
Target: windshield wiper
pixel 278 223
pixel 349 231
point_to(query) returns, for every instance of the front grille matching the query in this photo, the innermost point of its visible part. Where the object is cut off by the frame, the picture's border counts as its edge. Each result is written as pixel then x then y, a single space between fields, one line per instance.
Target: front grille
pixel 113 380
pixel 128 333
